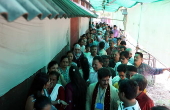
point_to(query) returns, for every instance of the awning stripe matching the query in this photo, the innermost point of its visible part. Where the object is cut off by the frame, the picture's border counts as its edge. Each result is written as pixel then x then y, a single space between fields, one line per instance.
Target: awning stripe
pixel 12 9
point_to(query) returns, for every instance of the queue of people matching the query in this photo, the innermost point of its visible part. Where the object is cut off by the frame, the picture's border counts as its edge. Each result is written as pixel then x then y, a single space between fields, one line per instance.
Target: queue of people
pixel 98 73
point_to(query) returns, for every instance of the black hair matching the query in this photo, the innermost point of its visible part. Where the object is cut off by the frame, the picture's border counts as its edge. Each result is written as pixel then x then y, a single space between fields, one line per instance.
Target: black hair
pixel 123 43
pixel 103 72
pixel 158 107
pixel 114 26
pixel 69 52
pixel 129 88
pixel 105 57
pixel 122 68
pixel 93 46
pixel 63 57
pixel 119 39
pixel 99 58
pixel 38 83
pixel 52 63
pixel 41 102
pixel 125 54
pixel 111 32
pixel 79 41
pixel 139 53
pixel 131 68
pixel 141 80
pixel 123 47
pixel 85 67
pixel 101 45
pixel 79 88
pixel 55 73
pixel 87 46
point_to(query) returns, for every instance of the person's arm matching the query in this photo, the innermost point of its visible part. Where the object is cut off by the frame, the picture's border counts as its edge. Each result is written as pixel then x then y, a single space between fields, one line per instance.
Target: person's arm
pixel 61 96
pixel 168 69
pixel 29 103
pixel 115 99
pixel 69 97
pixel 151 70
pixel 88 99
pixel 63 82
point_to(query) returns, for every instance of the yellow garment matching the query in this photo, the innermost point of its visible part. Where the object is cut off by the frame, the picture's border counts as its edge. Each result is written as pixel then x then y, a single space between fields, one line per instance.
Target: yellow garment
pixel 116 85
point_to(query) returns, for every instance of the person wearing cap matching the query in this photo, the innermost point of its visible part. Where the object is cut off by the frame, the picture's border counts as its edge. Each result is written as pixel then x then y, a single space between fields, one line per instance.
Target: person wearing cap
pixel 77 54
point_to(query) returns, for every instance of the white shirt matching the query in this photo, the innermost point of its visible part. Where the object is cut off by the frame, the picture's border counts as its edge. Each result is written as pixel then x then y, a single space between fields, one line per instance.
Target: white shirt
pixel 134 107
pixel 131 60
pixel 102 52
pixel 106 45
pixel 82 48
pixel 90 60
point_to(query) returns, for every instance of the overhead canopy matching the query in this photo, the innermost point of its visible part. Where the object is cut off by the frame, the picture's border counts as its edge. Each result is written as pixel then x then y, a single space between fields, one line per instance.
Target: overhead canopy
pixel 13 9
pixel 114 5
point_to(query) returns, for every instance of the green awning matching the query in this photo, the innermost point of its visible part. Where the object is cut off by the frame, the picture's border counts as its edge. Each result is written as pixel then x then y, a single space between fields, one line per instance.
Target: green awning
pixel 114 5
pixel 29 9
pixel 73 9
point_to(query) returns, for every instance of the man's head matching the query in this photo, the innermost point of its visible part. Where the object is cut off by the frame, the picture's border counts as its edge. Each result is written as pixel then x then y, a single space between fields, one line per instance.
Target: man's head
pixel 123 43
pixel 124 57
pixel 111 43
pixel 121 48
pixel 127 90
pixel 103 77
pixel 115 55
pixel 101 45
pixel 87 48
pixel 121 69
pixel 114 27
pixel 141 80
pixel 97 63
pixel 77 50
pixel 130 71
pixel 106 37
pixel 105 60
pixel 138 58
pixel 130 52
pixel 93 50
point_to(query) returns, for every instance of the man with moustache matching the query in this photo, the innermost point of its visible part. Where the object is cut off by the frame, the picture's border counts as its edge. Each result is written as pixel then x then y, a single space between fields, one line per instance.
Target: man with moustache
pixel 93 50
pixel 145 69
pixel 101 95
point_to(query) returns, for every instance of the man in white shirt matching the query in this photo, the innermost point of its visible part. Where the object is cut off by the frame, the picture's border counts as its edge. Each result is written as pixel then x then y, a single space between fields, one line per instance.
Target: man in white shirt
pixel 97 64
pixel 127 94
pixel 101 49
pixel 93 51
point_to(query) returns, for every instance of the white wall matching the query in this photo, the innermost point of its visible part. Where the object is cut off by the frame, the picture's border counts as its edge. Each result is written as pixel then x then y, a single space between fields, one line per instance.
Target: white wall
pixel 154 28
pixel 26 47
pixel 149 25
pixel 83 25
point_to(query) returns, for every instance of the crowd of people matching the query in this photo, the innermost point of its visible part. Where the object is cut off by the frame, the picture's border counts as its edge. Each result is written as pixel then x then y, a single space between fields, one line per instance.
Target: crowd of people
pixel 98 73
